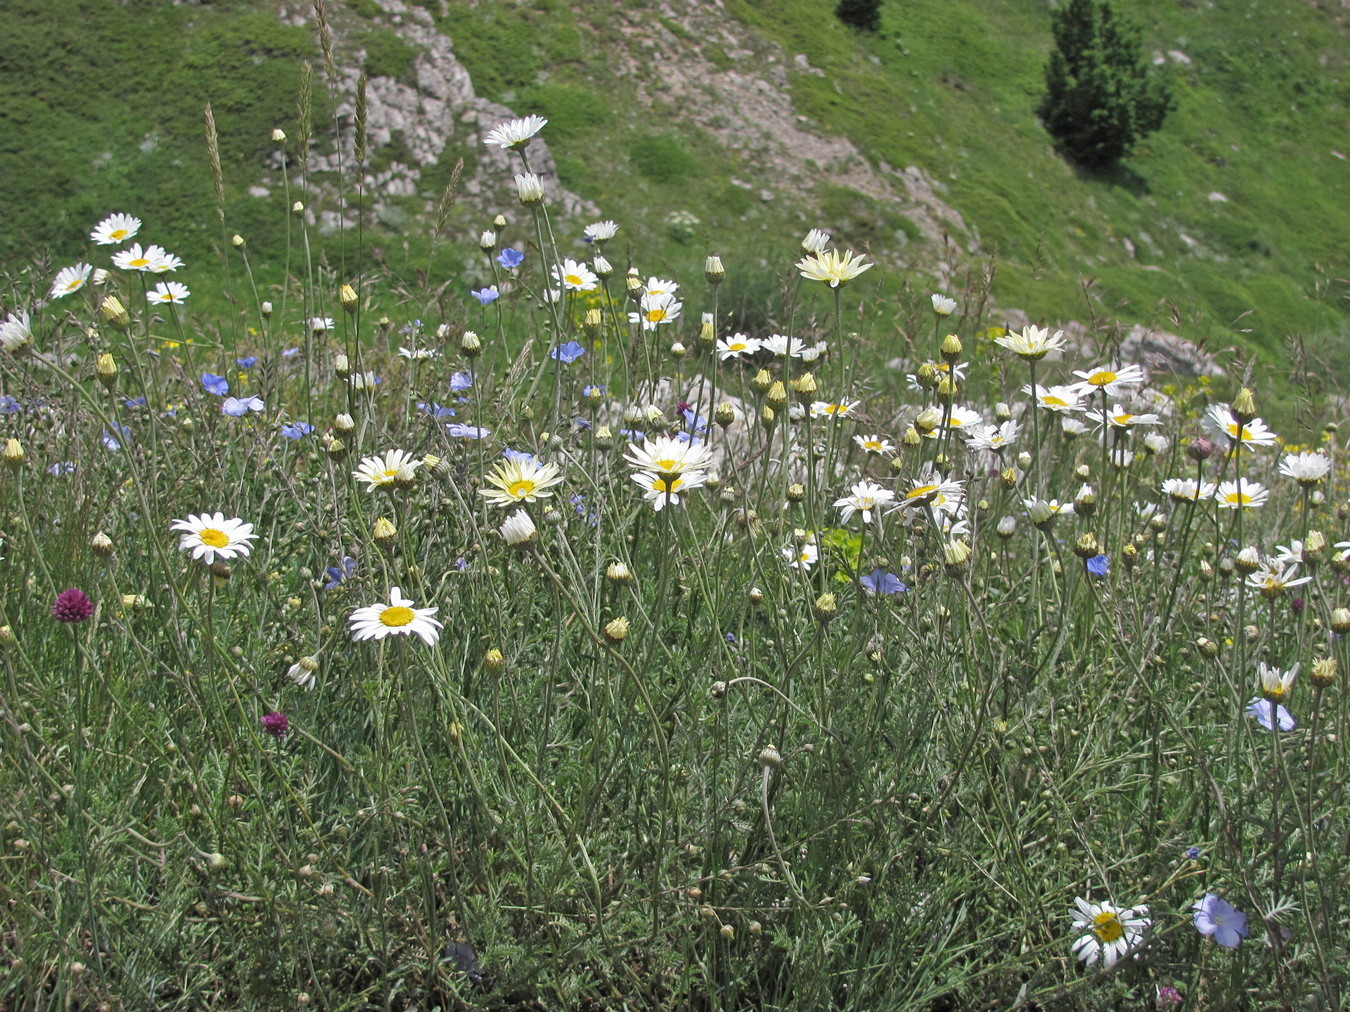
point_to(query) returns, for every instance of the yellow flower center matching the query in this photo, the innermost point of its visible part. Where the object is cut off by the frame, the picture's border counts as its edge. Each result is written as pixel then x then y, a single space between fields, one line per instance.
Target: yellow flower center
pixel 872 445
pixel 139 262
pixel 921 491
pixel 522 489
pixel 1107 927
pixel 118 233
pixel 1054 402
pixel 572 279
pixel 1238 498
pixel 655 315
pixel 668 485
pixel 214 538
pixel 397 616
pixel 386 476
pixel 74 285
pixel 667 464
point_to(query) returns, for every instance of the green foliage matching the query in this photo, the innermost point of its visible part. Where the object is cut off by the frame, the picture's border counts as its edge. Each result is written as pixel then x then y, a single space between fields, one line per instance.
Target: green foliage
pixel 1102 97
pixel 864 15
pixel 662 158
pixel 387 55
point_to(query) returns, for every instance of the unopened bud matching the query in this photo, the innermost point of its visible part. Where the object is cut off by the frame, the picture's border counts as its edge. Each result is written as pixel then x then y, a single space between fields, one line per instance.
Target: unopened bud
pixel 1248 560
pixel 237 241
pixel 348 298
pixel 771 757
pixel 713 270
pixel 105 368
pixel 1323 672
pixel 616 630
pixel 494 660
pixel 826 607
pixel 342 366
pixel 114 312
pixel 618 572
pixel 101 545
pixel 1340 621
pixel 13 454
pixel 927 420
pixel 761 381
pixel 1086 546
pixel 383 531
pixel 344 423
pixel 776 396
pixel 1244 406
pixel 804 386
pixel 724 415
pixel 469 345
pixel 951 348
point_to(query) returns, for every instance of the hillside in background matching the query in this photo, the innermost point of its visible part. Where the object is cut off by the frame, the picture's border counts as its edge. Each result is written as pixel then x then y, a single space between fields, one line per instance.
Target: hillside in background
pixel 702 127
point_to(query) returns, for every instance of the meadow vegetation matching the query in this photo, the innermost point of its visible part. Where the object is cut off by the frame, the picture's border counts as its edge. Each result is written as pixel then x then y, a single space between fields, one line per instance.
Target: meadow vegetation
pixel 629 619
pixel 572 647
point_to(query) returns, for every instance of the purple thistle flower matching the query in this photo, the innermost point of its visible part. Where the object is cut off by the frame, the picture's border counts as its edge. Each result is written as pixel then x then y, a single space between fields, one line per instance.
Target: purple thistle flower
pixel 72 605
pixel 275 724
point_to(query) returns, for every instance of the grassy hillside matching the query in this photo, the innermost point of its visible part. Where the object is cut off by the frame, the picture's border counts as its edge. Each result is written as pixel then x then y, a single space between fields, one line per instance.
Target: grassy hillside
pixel 102 110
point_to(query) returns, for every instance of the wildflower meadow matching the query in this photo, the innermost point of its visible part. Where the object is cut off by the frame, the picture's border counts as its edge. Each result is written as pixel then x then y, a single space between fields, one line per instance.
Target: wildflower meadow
pixel 543 639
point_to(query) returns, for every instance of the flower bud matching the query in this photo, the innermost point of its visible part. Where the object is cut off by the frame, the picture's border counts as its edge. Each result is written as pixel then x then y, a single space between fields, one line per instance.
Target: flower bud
pixel 951 348
pixel 616 630
pixel 114 312
pixel 713 270
pixel 724 415
pixel 804 386
pixel 707 332
pixel 298 208
pixel 761 381
pixel 911 440
pixel 1086 546
pixel 770 757
pixel 13 454
pixel 767 416
pixel 278 136
pixel 1248 560
pixel 469 345
pixel 1323 672
pixel 1314 547
pixel 618 572
pixel 1010 477
pixel 528 189
pixel 1207 647
pixel 348 298
pixel 344 423
pixel 493 660
pixel 1200 449
pixel 1007 526
pixel 266 310
pixel 776 396
pixel 384 532
pixel 947 390
pixel 1130 556
pixel 927 420
pixel 342 366
pixel 927 376
pixel 237 241
pixel 487 242
pixel 826 607
pixel 1085 503
pixel 1003 412
pixel 955 554
pixel 1340 621
pixel 755 596
pixel 1244 406
pixel 101 545
pixel 105 368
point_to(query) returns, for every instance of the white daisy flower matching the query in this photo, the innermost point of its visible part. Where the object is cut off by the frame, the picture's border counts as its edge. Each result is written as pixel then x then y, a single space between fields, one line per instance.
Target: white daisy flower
pixel 1221 425
pixel 516 133
pixel 600 231
pixel 660 286
pixel 816 240
pixel 667 455
pixel 397 618
pixel 662 488
pixel 575 277
pixel 832 267
pixel 942 305
pixel 737 346
pixel 824 409
pixel 1109 379
pixel 15 332
pixel 1062 399
pixel 864 497
pixel 114 229
pixel 168 292
pixel 210 536
pixel 1306 468
pixel 1110 931
pixel 655 310
pixel 802 556
pixel 1241 494
pixel 875 444
pixel 134 258
pixel 521 481
pixel 1188 489
pixel 394 468
pixel 70 279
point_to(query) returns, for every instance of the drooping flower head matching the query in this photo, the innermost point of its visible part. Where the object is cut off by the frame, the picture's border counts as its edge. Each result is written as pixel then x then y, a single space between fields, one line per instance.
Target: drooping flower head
pixel 209 536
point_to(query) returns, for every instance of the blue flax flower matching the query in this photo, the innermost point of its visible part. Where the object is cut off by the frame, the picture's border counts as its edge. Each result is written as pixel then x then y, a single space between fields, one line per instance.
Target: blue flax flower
pixel 460 381
pixel 487 296
pixel 510 258
pixel 336 574
pixel 1261 710
pixel 878 581
pixel 1216 916
pixel 214 384
pixel 456 430
pixel 1098 565
pixel 296 430
pixel 247 362
pixel 567 353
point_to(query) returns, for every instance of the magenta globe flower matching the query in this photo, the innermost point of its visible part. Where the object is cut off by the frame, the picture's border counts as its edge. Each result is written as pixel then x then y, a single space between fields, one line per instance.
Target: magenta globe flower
pixel 72 605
